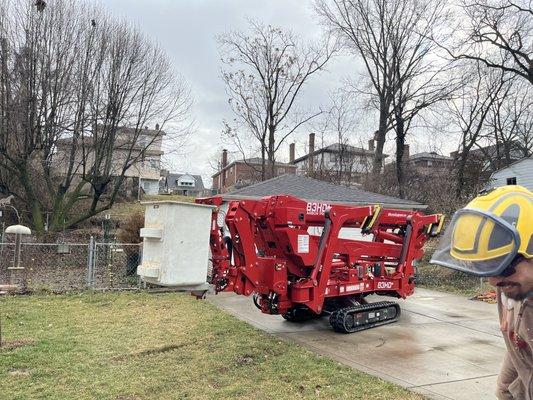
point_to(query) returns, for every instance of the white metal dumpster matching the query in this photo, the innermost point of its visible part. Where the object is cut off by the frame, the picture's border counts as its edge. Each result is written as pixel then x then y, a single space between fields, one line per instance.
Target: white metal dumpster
pixel 176 244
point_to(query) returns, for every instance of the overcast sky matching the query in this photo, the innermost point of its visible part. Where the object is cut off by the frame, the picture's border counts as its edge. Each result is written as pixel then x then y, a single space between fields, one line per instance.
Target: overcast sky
pixel 187 29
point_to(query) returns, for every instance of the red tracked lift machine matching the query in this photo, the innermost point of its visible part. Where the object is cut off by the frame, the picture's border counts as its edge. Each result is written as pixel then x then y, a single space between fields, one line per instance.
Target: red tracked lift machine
pixel 270 254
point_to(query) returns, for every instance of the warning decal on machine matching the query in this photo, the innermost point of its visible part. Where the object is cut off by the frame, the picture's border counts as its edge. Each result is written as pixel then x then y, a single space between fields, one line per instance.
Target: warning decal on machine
pixel 303 243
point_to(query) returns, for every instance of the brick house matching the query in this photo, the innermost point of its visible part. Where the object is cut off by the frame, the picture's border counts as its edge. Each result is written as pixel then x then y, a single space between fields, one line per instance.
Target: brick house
pixel 428 163
pixel 423 163
pixel 241 173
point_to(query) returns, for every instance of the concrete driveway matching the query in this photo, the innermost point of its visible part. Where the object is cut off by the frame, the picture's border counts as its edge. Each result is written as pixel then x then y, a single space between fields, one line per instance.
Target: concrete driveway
pixel 444 346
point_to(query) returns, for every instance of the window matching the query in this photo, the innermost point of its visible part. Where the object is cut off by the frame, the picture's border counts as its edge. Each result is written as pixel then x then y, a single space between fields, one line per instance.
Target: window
pixel 186 183
pixel 511 181
pixel 143 140
pixel 281 171
pixel 154 163
pixel 430 163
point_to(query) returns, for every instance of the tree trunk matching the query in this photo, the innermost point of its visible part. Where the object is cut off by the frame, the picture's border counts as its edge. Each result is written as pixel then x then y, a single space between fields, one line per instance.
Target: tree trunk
pixel 400 143
pixel 461 169
pixel 263 161
pixel 32 202
pixel 381 136
pixel 271 150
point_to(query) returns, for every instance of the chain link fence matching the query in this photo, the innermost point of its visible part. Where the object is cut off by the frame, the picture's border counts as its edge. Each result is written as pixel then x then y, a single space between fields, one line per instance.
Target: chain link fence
pixel 110 265
pixel 70 266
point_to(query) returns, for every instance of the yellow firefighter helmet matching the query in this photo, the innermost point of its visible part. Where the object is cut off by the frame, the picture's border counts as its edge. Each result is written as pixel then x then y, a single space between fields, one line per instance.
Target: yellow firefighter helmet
pixel 484 237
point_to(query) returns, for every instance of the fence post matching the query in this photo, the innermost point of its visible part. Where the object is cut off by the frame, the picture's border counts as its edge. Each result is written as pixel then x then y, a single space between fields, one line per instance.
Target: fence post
pixel 2 239
pixel 90 263
pixel 141 283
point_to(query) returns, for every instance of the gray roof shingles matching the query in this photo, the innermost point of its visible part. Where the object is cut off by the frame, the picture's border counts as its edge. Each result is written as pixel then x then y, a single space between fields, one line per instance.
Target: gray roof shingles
pixel 172 178
pixel 312 189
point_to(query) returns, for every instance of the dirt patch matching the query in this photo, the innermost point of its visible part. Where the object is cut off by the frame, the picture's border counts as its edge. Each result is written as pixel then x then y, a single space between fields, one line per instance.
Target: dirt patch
pixel 19 372
pixel 149 352
pixel 160 350
pixel 244 359
pixel 15 344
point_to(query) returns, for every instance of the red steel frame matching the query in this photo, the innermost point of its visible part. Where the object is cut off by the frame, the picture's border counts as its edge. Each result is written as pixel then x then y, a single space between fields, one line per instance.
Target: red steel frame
pixel 274 256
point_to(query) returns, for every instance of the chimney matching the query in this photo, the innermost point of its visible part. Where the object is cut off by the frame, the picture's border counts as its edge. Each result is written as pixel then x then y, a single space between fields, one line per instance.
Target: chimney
pixel 156 127
pixel 224 158
pixel 311 158
pixel 371 146
pixel 222 171
pixel 405 153
pixel 291 153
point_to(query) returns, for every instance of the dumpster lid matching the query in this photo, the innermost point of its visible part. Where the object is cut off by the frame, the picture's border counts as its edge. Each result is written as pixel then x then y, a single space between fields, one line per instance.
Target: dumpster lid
pixel 147 203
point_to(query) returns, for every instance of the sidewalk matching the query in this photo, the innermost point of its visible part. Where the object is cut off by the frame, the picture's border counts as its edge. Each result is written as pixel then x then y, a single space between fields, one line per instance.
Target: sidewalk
pixel 444 346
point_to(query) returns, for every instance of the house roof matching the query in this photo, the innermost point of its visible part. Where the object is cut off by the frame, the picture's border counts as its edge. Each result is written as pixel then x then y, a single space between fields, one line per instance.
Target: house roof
pixel 336 148
pixel 314 190
pixel 492 150
pixel 429 155
pixel 174 177
pixel 253 161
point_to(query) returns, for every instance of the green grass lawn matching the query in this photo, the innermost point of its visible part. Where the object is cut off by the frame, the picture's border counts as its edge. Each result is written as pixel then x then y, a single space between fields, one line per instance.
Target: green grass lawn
pixel 159 346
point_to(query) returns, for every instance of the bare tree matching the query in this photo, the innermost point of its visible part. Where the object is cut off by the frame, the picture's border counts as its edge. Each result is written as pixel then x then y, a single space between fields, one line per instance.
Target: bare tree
pixel 393 39
pixel 468 114
pixel 72 80
pixel 344 163
pixel 422 78
pixel 265 73
pixel 362 27
pixel 509 125
pixel 498 34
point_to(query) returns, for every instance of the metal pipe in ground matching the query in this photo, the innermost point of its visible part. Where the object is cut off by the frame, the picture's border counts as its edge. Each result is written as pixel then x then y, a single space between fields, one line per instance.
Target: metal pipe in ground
pixel 90 262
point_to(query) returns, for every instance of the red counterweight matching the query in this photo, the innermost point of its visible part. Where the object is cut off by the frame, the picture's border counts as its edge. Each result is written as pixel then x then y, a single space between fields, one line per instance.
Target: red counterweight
pixel 295 257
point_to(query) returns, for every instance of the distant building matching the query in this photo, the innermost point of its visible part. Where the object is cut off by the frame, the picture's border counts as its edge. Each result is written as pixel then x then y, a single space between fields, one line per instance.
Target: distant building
pixel 494 157
pixel 143 175
pixel 518 173
pixel 429 163
pixel 241 173
pixel 339 162
pixel 424 163
pixel 184 184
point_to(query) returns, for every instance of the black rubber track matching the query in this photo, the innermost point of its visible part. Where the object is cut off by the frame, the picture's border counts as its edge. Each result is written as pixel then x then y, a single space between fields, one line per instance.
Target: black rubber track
pixel 345 319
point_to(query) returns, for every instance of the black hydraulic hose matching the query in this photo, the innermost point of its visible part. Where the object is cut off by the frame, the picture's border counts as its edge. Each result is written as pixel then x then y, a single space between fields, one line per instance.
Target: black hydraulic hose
pixel 255 298
pixel 229 245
